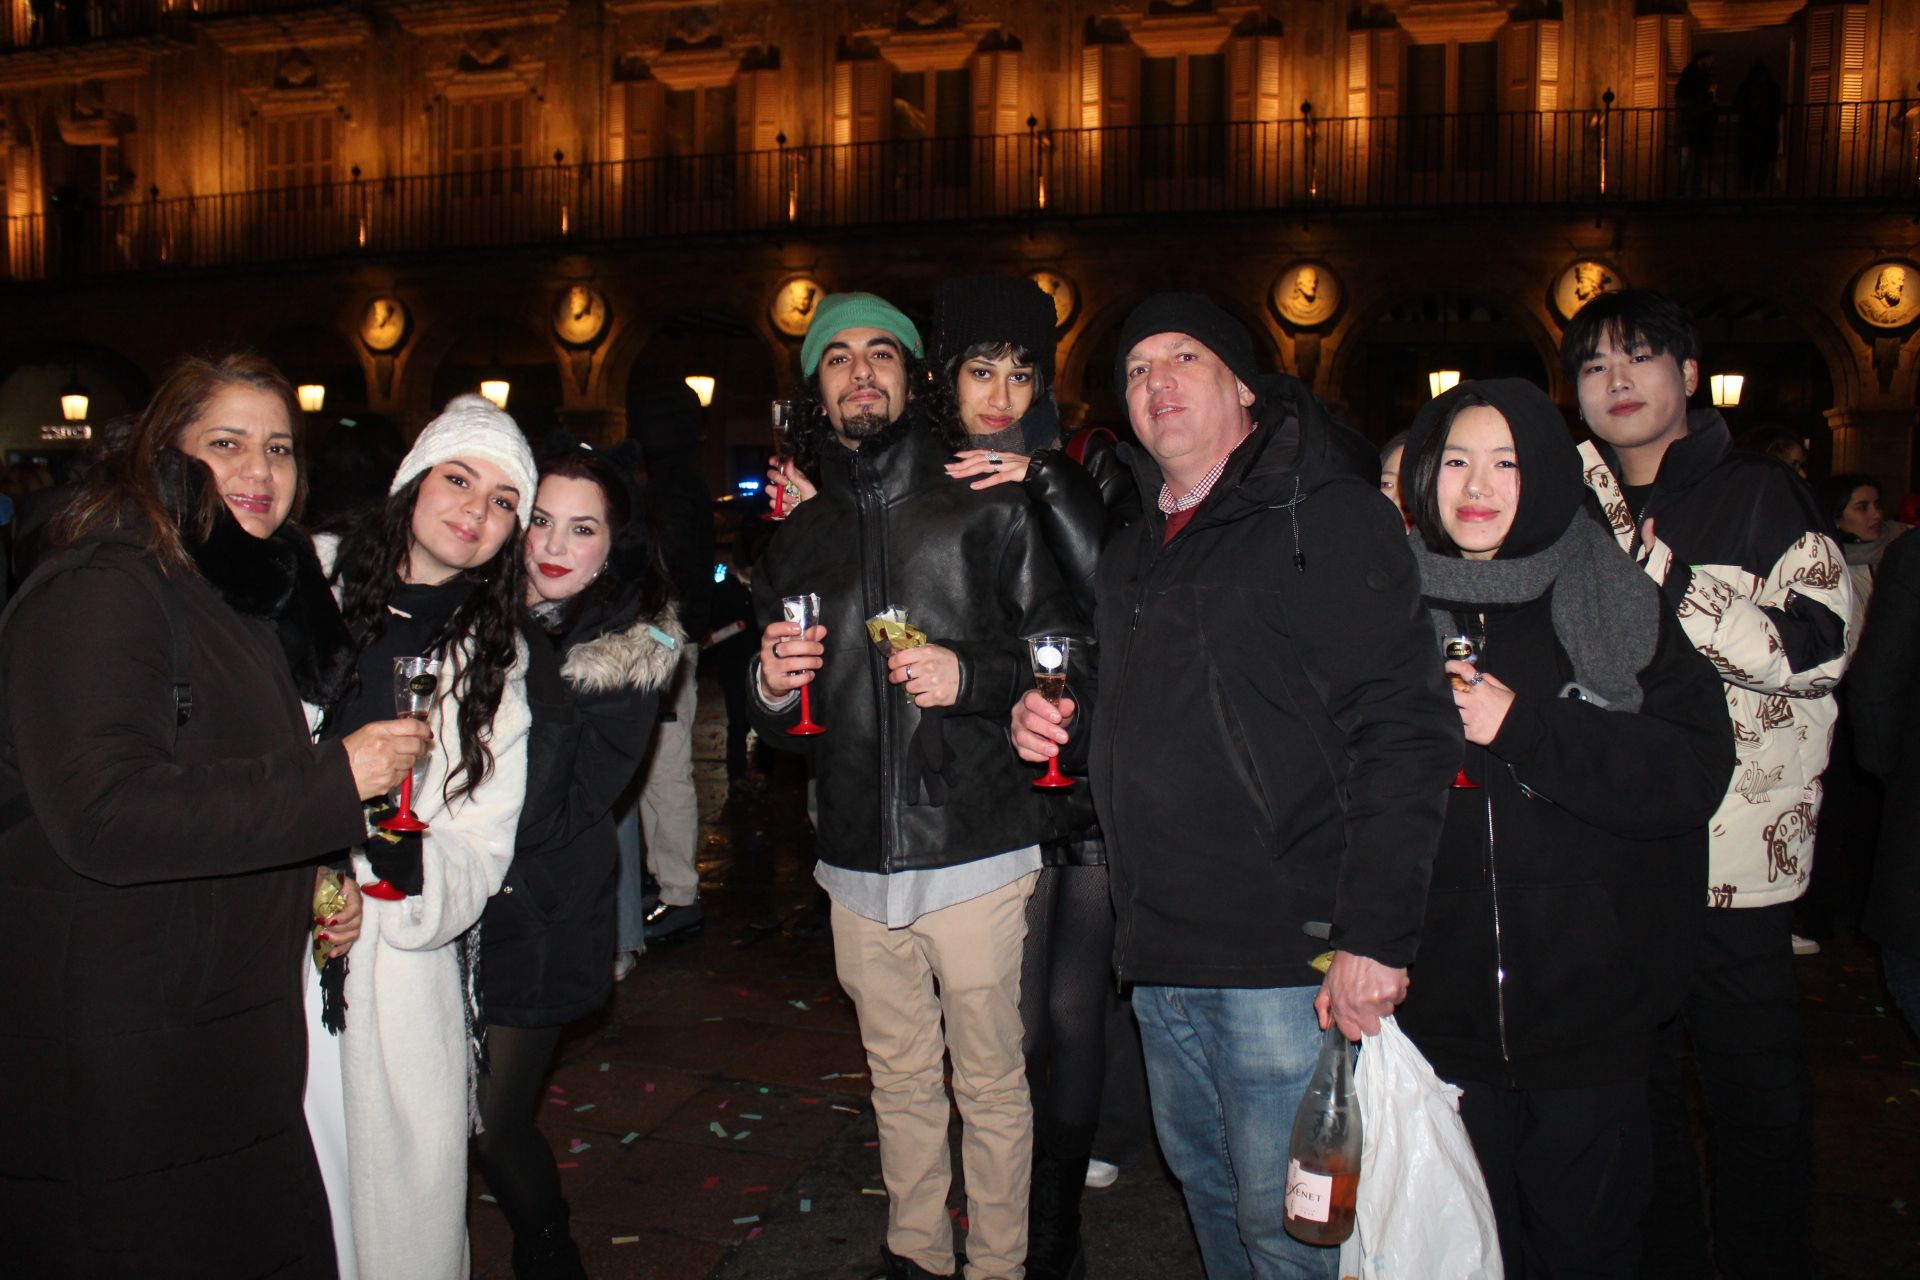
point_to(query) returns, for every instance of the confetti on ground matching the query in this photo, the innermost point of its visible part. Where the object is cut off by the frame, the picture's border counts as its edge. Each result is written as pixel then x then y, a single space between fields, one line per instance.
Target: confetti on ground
pixel 568 1164
pixel 874 1143
pixel 763 1089
pixel 711 1182
pixel 751 1115
pixel 713 1127
pixel 743 1133
pixel 713 1019
pixel 747 1191
pixel 806 1206
pixel 554 1088
pixel 812 1102
pixel 490 1200
pixel 558 1102
pixel 831 1075
pixel 649 1088
pixel 801 1005
pixel 741 1222
pixel 853 1075
pixel 751 1234
pixel 871 1191
pixel 577 1146
pixel 586 1106
pixel 723 1104
pixel 852 1111
pixel 629 1138
pixel 624 1240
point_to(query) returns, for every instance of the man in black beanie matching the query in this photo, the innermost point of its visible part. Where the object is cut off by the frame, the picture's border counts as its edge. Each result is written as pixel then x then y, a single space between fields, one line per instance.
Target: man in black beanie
pixel 1269 744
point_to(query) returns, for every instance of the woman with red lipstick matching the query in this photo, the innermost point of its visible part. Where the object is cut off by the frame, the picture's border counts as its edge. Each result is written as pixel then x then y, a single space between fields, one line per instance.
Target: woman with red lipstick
pixel 599 591
pixel 1565 882
pixel 166 811
pixel 436 571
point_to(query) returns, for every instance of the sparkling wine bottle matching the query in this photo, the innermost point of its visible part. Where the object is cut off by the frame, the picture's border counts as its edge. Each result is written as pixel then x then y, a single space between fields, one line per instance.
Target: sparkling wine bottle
pixel 1323 1159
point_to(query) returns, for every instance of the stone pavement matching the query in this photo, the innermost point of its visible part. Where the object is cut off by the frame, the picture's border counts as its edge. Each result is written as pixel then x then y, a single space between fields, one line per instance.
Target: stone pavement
pixel 713 1123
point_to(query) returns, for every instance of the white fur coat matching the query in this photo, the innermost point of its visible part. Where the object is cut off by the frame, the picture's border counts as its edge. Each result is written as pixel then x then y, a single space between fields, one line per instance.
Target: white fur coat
pixel 404 1056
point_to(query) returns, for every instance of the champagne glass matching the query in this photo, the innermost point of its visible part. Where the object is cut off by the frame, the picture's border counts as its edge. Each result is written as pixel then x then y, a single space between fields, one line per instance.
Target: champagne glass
pixel 783 449
pixel 415 681
pixel 1049 657
pixel 805 611
pixel 1465 646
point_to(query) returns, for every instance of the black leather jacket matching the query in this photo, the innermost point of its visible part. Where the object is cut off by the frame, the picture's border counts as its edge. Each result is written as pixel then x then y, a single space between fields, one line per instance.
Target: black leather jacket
pixel 972 570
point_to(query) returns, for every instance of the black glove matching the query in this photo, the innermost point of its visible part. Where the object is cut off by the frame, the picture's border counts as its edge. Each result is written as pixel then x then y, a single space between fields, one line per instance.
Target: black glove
pixel 395 856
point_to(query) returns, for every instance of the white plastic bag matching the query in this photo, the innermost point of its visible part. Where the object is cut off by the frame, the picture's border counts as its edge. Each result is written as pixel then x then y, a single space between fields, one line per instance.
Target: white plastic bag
pixel 1423 1211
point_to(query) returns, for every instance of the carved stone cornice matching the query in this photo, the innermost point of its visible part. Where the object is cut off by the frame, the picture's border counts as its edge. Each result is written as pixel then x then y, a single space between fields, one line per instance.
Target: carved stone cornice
pixel 695 68
pixel 946 49
pixel 126 59
pixel 335 27
pixel 1739 15
pixel 1437 21
pixel 452 17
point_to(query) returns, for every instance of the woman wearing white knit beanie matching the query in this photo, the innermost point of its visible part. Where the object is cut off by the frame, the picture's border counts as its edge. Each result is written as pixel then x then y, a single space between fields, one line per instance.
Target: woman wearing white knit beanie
pixel 438 572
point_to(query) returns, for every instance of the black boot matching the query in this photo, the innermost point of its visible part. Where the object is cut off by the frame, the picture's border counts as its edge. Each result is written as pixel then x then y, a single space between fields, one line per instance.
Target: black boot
pixel 548 1254
pixel 895 1267
pixel 1054 1250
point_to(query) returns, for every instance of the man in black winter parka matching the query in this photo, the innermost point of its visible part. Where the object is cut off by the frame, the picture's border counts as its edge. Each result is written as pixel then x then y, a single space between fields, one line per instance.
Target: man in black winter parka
pixel 1270 747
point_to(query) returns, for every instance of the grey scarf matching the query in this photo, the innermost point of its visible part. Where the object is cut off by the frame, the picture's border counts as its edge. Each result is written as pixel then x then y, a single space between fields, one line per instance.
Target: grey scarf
pixel 1606 611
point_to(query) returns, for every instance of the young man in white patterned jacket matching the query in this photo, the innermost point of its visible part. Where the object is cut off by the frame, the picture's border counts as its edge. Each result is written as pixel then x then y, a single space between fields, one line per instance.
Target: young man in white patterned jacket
pixel 1740 550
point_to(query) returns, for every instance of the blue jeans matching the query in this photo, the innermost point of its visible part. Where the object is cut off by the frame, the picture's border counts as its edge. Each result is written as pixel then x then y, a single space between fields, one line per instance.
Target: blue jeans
pixel 1226 1069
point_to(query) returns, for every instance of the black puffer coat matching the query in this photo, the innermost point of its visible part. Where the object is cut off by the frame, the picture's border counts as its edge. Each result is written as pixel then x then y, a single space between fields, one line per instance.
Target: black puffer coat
pixel 1883 695
pixel 547 936
pixel 971 569
pixel 1270 740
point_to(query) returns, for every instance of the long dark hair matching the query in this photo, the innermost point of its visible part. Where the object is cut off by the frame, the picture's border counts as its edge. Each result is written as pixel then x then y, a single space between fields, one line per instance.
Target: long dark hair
pixel 1424 478
pixel 943 396
pixel 368 569
pixel 1835 492
pixel 126 484
pixel 634 583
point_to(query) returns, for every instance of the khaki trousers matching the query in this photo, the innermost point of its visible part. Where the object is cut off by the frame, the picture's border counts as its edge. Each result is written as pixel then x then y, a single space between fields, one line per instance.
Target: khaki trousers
pixel 669 806
pixel 972 950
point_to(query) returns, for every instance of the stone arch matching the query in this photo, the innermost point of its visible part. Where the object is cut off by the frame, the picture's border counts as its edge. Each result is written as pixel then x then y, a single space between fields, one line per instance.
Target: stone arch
pixel 30 391
pixel 1383 350
pixel 1792 379
pixel 456 352
pixel 736 435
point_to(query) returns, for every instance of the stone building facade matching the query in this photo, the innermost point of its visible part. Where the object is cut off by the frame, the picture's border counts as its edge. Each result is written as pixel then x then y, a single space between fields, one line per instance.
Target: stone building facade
pixel 398 198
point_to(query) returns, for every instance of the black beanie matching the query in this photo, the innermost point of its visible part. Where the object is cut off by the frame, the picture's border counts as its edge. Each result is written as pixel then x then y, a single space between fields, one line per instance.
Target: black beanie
pixel 1196 316
pixel 994 309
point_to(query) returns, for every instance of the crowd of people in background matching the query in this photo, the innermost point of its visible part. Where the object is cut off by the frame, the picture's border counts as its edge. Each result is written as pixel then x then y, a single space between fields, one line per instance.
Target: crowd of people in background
pixel 1557 753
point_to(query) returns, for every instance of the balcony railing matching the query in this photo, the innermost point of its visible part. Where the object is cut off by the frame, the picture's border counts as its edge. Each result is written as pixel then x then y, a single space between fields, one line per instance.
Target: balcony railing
pixel 31 24
pixel 1859 153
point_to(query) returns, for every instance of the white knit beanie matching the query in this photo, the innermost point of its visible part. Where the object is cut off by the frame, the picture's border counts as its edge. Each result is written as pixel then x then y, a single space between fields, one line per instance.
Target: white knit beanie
pixel 470 427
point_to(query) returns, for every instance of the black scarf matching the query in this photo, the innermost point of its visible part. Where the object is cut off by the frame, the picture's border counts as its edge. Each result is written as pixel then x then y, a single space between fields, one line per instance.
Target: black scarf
pixel 274 579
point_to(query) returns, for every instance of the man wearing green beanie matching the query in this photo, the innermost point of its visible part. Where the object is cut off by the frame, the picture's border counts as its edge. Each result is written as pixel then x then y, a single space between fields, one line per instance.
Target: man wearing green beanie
pixel 929 828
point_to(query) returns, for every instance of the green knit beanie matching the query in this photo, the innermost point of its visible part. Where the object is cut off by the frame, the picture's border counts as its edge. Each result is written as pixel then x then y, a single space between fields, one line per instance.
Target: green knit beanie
pixel 839 312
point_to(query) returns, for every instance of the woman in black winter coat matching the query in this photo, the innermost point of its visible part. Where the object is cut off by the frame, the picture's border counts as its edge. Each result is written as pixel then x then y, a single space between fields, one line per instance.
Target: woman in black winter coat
pixel 166 814
pixel 1558 919
pixel 600 594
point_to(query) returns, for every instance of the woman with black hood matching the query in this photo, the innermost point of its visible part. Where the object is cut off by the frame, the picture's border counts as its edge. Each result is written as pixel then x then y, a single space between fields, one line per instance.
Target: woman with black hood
pixel 1598 746
pixel 598 590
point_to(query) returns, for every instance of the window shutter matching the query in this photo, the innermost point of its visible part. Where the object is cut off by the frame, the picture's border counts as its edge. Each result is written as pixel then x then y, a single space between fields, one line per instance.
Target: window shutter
pixel 1649 81
pixel 646 119
pixel 756 107
pixel 1240 74
pixel 1359 77
pixel 1549 64
pixel 1853 53
pixel 1389 60
pixel 1120 83
pixel 995 80
pixel 1090 88
pixel 617 122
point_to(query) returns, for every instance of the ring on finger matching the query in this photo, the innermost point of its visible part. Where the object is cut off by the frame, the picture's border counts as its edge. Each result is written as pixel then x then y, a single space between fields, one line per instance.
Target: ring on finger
pixel 776 649
pixel 993 459
pixel 1478 677
pixel 909 671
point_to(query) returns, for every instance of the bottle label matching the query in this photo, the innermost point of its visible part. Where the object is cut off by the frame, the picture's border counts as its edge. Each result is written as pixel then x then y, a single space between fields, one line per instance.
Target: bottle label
pixel 1309 1194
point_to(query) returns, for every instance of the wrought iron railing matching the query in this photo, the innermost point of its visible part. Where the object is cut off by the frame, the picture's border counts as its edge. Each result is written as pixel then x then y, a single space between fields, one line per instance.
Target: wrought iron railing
pixel 1859 153
pixel 60 24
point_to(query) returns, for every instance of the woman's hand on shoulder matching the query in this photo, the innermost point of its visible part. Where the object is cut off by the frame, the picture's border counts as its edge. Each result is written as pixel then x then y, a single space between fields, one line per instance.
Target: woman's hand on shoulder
pixel 384 752
pixel 993 468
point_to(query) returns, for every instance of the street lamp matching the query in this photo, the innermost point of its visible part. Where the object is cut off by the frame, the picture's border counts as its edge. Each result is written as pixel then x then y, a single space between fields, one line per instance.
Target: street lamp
pixel 702 387
pixel 1726 389
pixel 1442 380
pixel 495 390
pixel 313 397
pixel 73 400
